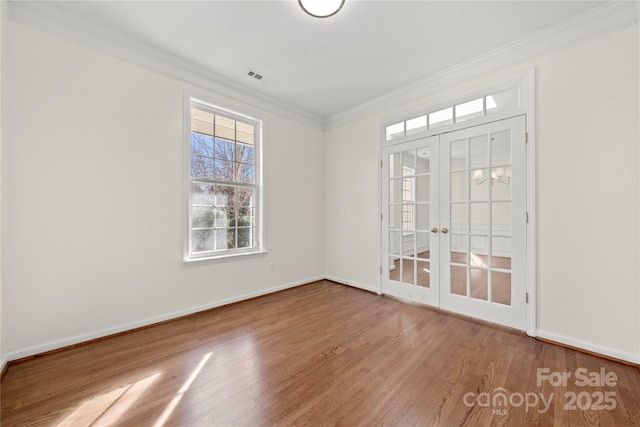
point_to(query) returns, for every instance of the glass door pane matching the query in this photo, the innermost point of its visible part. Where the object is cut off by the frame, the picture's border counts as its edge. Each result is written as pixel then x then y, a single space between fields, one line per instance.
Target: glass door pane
pixel 410 181
pixel 484 212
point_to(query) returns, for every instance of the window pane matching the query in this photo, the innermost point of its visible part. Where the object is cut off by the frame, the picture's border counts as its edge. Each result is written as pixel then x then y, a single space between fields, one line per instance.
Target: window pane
pixel 407 189
pixel 408 267
pixel 394 131
pixel 501 287
pixel 408 163
pixel 225 196
pixel 407 217
pixel 224 170
pixel 479 213
pixel 459 190
pixel 224 149
pixel 202 194
pixel 201 145
pixel 422 221
pixel 245 217
pixel 503 100
pixel 458 280
pixel 245 132
pixel 220 237
pixel 458 154
pixel 225 127
pixel 479 283
pixel 479 151
pixel 419 124
pixel 244 153
pixel 479 248
pixel 394 268
pixel 245 173
pixel 441 118
pixel 459 217
pixel 501 252
pixel 501 218
pixel 223 216
pixel 501 148
pixel 201 121
pixel 202 240
pixel 469 110
pixel 231 238
pixel 246 197
pixel 245 237
pixel 201 167
pixel 423 161
pixel 422 190
pixel 501 188
pixel 479 184
pixel 202 217
pixel 395 165
pixel 424 274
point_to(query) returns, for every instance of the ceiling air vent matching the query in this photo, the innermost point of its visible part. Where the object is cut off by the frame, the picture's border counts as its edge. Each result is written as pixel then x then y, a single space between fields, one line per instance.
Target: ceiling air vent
pixel 258 76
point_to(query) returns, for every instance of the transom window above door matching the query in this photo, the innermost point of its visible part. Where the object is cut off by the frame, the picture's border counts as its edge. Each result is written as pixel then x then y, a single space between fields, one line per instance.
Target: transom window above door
pixel 457 113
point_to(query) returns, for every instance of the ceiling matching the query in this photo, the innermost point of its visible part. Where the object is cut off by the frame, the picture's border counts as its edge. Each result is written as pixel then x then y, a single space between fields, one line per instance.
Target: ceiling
pixel 323 66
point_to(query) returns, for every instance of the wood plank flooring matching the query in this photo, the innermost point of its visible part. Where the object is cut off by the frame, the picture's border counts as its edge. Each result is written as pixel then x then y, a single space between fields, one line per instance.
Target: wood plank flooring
pixel 320 354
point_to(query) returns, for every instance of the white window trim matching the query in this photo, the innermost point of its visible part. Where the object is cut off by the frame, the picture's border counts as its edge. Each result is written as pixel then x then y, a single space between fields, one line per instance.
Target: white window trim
pixel 260 215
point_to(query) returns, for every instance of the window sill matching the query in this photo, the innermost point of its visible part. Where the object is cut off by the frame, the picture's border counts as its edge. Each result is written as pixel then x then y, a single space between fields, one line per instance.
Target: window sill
pixel 225 257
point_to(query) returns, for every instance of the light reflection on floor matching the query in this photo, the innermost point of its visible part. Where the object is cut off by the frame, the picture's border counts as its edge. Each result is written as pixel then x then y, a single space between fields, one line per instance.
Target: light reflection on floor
pixel 174 402
pixel 107 408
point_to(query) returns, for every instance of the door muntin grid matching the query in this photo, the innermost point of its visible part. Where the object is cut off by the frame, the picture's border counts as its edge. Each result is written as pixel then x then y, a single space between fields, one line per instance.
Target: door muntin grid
pixel 480 216
pixel 409 212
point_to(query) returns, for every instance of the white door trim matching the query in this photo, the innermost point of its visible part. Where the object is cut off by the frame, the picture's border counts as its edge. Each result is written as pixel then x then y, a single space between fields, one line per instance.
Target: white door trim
pixel 526 82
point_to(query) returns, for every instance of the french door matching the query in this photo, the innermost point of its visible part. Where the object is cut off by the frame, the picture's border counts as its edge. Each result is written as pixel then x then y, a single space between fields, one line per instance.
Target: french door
pixel 454 221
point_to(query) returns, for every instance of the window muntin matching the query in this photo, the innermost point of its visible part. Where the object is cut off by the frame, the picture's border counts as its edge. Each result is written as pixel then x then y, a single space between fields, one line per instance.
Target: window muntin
pixel 457 113
pixel 224 183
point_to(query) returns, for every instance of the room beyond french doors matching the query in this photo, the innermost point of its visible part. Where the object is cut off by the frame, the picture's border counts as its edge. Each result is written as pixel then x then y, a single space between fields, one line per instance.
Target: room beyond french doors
pixel 454 221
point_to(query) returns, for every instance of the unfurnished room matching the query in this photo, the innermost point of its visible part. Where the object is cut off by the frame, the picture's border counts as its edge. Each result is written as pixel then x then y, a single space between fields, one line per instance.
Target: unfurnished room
pixel 319 212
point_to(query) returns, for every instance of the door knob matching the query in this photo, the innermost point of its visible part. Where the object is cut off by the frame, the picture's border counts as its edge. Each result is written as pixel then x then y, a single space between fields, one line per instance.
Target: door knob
pixel 434 230
pixel 445 230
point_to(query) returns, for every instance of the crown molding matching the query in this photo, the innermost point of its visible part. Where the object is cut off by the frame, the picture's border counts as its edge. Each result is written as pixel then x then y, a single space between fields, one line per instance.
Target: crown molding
pixel 45 16
pixel 610 17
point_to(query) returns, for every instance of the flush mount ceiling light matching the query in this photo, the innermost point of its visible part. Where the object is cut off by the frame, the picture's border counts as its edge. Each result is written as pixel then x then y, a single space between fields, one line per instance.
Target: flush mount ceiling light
pixel 321 8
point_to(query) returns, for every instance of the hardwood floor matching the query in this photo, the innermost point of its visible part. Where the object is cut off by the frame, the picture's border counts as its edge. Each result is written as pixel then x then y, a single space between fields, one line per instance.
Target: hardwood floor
pixel 320 354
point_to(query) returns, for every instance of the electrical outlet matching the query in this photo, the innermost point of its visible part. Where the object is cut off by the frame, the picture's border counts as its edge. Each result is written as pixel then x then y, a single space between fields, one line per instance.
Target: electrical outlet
pixel 272 268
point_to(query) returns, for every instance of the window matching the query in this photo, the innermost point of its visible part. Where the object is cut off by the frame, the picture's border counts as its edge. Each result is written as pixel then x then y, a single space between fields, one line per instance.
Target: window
pixel 489 104
pixel 224 183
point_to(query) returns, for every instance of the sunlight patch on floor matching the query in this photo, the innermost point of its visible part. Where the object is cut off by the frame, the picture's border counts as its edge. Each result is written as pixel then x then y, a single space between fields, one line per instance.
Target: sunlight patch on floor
pixel 107 408
pixel 174 402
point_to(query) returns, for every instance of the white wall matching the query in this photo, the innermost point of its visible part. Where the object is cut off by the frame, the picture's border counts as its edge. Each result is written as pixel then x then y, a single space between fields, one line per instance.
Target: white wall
pixel 352 219
pixel 92 192
pixel 588 198
pixel 3 351
pixel 588 201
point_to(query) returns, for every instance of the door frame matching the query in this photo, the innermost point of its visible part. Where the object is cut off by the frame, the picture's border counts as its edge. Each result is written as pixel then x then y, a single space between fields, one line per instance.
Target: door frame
pixel 525 82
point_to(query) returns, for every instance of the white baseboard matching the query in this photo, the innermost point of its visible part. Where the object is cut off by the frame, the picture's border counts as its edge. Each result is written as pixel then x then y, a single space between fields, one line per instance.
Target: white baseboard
pixel 3 361
pixel 54 345
pixel 358 285
pixel 588 346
